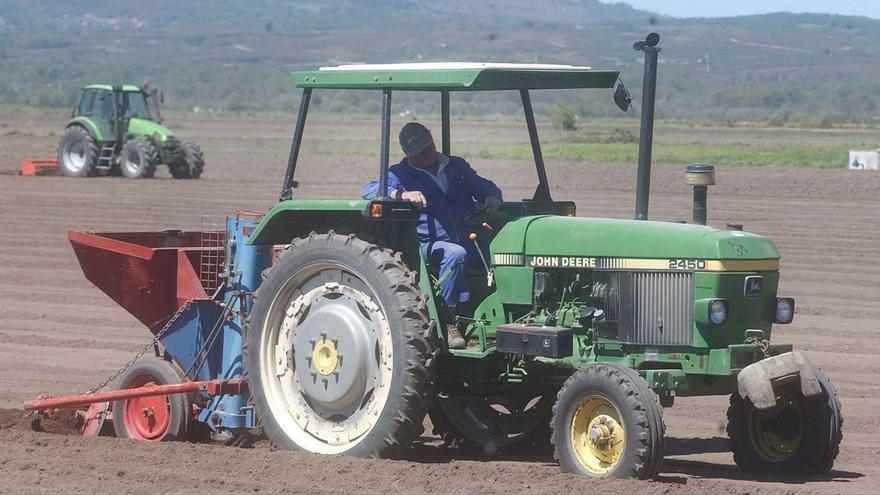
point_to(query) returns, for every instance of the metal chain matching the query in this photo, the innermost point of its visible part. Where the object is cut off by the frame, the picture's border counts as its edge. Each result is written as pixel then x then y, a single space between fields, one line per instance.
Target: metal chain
pixel 762 344
pixel 115 374
pixel 148 346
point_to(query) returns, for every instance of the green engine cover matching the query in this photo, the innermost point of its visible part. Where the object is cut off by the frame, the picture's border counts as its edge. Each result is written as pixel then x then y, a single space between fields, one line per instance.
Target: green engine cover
pixel 610 244
pixel 548 240
pixel 144 127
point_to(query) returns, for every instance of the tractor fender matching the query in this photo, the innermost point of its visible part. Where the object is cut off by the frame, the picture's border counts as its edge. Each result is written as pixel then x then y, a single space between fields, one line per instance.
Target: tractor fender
pixel 88 125
pixel 756 381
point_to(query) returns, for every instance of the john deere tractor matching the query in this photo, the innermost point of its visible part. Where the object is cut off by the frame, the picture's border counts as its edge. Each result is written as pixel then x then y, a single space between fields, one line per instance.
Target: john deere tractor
pixel 321 322
pixel 583 328
pixel 118 130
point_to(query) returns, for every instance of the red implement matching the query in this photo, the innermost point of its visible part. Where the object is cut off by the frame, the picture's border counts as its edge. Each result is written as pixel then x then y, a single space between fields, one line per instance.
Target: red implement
pixel 214 387
pixel 39 166
pixel 150 274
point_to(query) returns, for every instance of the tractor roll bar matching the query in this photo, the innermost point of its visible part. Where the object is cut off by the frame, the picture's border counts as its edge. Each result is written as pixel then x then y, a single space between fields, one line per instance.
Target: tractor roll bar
pixel 444 117
pixel 386 137
pixel 543 190
pixel 289 184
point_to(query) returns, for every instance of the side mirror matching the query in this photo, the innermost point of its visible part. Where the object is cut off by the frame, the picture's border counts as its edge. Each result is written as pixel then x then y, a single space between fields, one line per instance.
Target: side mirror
pixel 622 98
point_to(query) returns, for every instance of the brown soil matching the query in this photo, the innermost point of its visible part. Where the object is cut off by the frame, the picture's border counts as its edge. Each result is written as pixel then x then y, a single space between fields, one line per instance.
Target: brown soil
pixel 60 335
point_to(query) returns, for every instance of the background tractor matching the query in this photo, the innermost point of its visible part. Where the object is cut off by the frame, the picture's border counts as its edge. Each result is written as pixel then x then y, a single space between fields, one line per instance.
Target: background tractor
pixel 118 130
pixel 319 321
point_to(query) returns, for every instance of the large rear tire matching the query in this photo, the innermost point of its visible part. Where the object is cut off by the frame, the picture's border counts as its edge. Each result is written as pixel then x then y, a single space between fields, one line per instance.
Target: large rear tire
pixel 77 153
pixel 138 159
pixel 159 418
pixel 799 435
pixel 337 351
pixel 607 424
pixel 191 162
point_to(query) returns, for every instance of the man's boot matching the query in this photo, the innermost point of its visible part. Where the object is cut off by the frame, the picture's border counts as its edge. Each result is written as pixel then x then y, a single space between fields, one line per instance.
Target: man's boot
pixel 454 338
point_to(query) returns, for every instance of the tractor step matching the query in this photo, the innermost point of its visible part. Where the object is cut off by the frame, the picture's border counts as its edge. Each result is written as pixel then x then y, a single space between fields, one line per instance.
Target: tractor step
pixel 105 157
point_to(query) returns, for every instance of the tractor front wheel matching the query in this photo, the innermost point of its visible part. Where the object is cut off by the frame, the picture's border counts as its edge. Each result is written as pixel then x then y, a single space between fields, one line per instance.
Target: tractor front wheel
pixel 798 435
pixel 157 418
pixel 607 424
pixel 337 351
pixel 191 162
pixel 77 153
pixel 138 159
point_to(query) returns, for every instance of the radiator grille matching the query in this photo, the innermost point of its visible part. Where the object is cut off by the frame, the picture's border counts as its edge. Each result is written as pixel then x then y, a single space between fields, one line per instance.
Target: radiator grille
pixel 650 308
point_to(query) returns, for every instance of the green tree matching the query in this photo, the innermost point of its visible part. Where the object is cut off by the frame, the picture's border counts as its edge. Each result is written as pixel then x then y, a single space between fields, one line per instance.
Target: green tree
pixel 563 117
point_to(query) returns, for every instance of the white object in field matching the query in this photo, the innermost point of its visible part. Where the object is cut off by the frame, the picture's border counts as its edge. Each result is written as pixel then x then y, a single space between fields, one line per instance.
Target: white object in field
pixel 864 160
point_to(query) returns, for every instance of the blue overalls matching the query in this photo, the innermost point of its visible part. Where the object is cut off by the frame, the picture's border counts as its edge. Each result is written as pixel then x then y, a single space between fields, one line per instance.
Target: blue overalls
pixel 442 232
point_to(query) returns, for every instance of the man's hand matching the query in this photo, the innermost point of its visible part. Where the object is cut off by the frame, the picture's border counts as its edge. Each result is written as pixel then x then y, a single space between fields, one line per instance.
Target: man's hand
pixel 492 204
pixel 415 197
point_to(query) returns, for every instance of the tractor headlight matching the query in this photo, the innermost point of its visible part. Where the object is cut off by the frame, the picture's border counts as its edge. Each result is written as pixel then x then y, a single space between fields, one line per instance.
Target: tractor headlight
pixel 784 310
pixel 718 311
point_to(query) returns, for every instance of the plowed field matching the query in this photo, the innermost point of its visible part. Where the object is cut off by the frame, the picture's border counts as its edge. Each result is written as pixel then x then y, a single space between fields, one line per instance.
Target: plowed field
pixel 60 335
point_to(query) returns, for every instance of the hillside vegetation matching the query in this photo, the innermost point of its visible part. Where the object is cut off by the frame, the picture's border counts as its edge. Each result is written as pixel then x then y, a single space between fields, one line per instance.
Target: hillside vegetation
pixel 225 55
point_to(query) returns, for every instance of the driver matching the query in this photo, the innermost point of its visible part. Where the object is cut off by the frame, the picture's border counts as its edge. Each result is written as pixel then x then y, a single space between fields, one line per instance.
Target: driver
pixel 447 190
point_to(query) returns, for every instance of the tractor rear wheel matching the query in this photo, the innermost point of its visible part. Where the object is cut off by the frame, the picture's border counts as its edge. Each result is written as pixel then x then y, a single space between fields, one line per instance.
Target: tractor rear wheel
pixel 77 153
pixel 493 422
pixel 191 162
pixel 799 435
pixel 607 424
pixel 337 351
pixel 138 159
pixel 158 418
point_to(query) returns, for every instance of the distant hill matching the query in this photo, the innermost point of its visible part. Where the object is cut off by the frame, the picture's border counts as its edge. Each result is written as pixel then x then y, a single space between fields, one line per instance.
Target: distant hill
pixel 236 56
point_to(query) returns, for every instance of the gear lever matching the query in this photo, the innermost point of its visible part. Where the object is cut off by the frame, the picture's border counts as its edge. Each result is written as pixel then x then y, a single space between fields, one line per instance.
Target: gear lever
pixel 490 277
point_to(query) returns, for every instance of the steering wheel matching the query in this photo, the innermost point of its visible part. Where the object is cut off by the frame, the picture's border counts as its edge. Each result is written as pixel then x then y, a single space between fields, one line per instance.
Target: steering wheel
pixel 480 217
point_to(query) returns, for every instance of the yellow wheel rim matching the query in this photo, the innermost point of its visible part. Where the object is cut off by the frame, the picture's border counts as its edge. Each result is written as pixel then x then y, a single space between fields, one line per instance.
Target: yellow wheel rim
pixel 777 434
pixel 597 435
pixel 325 357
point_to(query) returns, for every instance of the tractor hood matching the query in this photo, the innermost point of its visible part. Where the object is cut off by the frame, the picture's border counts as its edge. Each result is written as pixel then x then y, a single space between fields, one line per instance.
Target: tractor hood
pixel 144 127
pixel 556 237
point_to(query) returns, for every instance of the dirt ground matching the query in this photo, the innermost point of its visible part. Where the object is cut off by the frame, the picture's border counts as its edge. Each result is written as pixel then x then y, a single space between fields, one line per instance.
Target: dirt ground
pixel 60 335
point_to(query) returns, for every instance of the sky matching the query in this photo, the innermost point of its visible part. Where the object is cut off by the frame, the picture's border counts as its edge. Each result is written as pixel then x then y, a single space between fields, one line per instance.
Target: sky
pixel 691 8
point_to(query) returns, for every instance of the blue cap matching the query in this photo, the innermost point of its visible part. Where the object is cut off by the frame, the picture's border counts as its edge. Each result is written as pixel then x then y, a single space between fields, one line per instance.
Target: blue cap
pixel 414 137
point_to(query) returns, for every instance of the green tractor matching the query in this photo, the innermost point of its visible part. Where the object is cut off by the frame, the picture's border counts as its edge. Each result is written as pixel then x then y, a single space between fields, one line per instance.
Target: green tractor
pixel 581 329
pixel 118 130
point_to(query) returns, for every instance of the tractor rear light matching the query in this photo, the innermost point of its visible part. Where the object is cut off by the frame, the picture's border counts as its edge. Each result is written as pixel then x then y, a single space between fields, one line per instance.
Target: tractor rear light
pixel 784 310
pixel 569 209
pixel 376 210
pixel 718 311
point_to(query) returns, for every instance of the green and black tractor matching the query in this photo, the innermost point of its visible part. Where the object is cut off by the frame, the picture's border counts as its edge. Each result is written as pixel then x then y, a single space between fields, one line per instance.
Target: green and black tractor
pixel 580 329
pixel 117 130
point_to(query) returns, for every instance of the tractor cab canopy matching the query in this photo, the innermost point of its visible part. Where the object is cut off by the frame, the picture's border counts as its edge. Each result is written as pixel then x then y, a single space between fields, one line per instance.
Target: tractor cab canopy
pixel 455 76
pixel 446 78
pixel 109 87
pixel 108 102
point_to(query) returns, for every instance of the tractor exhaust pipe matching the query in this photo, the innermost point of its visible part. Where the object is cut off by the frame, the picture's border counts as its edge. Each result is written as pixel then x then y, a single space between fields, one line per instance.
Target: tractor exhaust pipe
pixel 649 86
pixel 701 176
